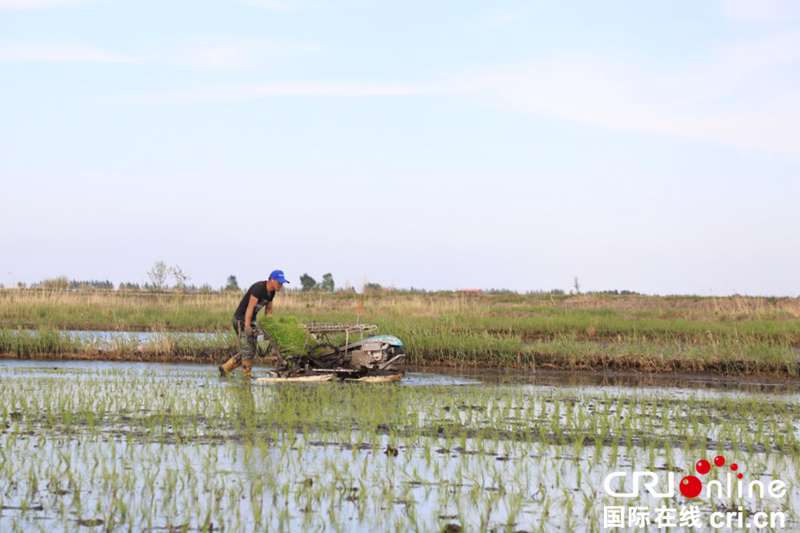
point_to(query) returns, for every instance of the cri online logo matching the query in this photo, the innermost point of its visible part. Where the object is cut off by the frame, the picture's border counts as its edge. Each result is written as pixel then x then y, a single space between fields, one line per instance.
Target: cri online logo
pixel 691 486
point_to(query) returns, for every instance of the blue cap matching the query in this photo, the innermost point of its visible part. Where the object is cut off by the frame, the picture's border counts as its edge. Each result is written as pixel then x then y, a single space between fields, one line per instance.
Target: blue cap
pixel 277 275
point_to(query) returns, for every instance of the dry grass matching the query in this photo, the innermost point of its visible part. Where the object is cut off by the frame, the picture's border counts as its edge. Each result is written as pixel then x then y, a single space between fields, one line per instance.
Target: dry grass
pixel 19 303
pixel 736 335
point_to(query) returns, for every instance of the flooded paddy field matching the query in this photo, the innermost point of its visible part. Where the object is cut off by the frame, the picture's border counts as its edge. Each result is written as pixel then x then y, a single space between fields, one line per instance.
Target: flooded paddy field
pixel 149 447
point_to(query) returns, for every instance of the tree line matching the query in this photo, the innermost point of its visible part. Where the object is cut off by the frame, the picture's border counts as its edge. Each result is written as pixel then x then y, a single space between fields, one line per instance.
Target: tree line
pixel 163 277
pixel 307 283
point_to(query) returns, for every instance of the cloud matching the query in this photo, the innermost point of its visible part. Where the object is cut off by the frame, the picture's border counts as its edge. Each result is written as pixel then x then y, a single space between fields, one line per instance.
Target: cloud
pixel 289 89
pixel 231 56
pixel 274 5
pixel 61 54
pixel 287 5
pixel 37 4
pixel 707 103
pixel 577 94
pixel 759 10
pixel 244 54
pixel 711 100
pixel 499 19
pixel 741 94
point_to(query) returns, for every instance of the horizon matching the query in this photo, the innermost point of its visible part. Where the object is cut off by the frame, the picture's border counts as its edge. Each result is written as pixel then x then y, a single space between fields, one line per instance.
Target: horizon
pixel 645 147
pixel 362 289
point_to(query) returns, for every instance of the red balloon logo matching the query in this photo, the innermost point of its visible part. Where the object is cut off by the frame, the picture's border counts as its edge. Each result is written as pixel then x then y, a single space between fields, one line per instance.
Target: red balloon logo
pixel 690 487
pixel 703 466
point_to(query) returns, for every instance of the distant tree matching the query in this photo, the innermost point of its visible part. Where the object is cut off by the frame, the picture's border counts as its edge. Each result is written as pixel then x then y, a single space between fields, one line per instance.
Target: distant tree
pixel 327 283
pixel 307 283
pixel 232 284
pixel 91 285
pixel 372 287
pixel 60 283
pixel 576 286
pixel 179 276
pixel 346 289
pixel 494 290
pixel 21 285
pixel 158 276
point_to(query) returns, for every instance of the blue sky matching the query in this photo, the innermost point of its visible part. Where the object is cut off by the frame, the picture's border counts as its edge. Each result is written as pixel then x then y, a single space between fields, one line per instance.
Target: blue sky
pixel 637 145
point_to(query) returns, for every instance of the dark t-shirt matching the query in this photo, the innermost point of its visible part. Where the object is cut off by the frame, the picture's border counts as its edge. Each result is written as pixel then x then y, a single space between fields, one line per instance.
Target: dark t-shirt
pixel 259 290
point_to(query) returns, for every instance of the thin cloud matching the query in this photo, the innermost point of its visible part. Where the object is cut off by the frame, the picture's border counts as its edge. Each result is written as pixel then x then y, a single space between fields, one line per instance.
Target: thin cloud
pixel 760 10
pixel 274 5
pixel 499 19
pixel 709 102
pixel 581 90
pixel 278 90
pixel 287 5
pixel 720 98
pixel 242 55
pixel 37 4
pixel 61 54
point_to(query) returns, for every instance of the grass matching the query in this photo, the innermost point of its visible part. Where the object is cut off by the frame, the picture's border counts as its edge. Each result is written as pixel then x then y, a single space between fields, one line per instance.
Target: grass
pixel 590 316
pixel 162 346
pixel 734 335
pixel 136 450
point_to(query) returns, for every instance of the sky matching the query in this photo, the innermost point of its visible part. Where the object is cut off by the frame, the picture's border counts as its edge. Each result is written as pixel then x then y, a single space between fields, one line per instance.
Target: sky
pixel 646 146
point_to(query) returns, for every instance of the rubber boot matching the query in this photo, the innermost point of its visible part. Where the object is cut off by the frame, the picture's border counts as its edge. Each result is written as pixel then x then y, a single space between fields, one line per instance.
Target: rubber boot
pixel 247 367
pixel 228 367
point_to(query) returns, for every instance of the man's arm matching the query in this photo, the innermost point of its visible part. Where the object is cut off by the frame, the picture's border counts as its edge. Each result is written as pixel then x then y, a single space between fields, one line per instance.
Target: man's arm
pixel 248 315
pixel 268 309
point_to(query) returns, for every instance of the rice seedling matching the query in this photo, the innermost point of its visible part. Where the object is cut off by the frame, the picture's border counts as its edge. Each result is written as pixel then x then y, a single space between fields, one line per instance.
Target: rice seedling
pixel 140 448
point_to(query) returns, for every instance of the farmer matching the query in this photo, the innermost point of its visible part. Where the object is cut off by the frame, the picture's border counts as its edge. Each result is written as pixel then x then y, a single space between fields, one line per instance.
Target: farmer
pixel 259 295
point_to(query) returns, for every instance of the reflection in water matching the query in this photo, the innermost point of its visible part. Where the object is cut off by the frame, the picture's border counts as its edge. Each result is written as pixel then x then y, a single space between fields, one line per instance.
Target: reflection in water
pixel 138 446
pixel 448 376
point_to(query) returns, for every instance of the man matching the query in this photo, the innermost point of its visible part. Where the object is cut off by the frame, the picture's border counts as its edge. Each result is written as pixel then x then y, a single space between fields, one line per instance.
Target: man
pixel 258 296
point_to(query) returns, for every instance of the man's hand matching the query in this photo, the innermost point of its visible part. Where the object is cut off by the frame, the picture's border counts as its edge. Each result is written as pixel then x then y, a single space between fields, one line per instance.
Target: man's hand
pixel 248 316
